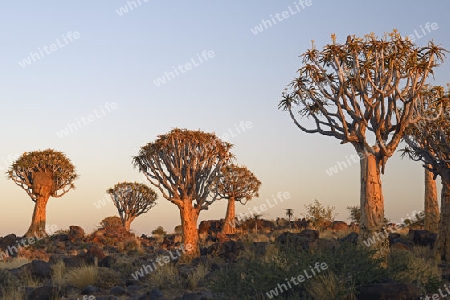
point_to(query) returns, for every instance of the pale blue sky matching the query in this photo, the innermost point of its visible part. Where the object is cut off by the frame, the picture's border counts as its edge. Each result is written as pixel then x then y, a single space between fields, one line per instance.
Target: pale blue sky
pixel 116 60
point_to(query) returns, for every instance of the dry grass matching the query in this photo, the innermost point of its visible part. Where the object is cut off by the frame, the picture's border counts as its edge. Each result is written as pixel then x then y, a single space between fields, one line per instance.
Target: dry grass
pixel 29 280
pixel 199 273
pixel 130 244
pixel 82 276
pixel 165 277
pixel 14 263
pixel 328 286
pixel 59 270
pixel 13 295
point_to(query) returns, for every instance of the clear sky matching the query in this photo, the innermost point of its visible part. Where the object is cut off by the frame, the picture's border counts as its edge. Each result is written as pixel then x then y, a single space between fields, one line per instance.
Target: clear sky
pixel 101 80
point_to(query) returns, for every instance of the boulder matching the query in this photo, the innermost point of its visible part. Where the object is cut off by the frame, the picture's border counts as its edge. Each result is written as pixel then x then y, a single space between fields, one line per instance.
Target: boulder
pixel 389 291
pixel 118 291
pixel 229 250
pixel 352 237
pixel 41 269
pixel 309 233
pixel 296 241
pixel 422 237
pixel 154 294
pixel 44 293
pixel 76 234
pixel 210 226
pixel 399 246
pixel 339 226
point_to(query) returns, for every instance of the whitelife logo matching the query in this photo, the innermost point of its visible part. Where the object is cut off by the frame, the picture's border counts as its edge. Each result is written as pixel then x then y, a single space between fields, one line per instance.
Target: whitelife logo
pixel 266 24
pixel 34 56
pixel 184 68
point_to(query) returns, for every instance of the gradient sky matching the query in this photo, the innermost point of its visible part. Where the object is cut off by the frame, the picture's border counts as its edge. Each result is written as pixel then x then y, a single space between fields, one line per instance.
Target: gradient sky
pixel 116 59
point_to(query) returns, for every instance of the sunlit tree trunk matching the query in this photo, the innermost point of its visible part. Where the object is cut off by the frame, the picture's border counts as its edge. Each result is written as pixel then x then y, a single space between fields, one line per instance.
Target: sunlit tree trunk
pixel 372 206
pixel 443 238
pixel 189 217
pixel 229 225
pixel 431 207
pixel 42 187
pixel 37 227
pixel 127 223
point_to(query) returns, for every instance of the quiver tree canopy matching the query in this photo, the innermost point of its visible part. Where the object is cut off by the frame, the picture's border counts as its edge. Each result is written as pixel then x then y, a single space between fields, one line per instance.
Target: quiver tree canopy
pixel 184 165
pixel 429 140
pixel 364 85
pixel 42 174
pixel 132 199
pixel 235 183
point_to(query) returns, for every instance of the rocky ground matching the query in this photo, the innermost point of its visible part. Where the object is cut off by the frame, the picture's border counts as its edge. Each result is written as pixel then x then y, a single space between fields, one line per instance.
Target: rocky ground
pixel 112 263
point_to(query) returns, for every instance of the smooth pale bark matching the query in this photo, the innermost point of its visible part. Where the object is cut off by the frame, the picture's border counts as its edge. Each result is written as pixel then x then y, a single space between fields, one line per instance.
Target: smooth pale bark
pixel 443 238
pixel 431 207
pixel 229 225
pixel 189 217
pixel 372 206
pixel 42 188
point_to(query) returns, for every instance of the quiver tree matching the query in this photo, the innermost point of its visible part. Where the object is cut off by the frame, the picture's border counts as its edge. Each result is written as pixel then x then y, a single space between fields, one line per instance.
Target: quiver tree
pixel 235 184
pixel 363 90
pixel 184 164
pixel 429 142
pixel 432 107
pixel 431 206
pixel 42 174
pixel 289 214
pixel 132 200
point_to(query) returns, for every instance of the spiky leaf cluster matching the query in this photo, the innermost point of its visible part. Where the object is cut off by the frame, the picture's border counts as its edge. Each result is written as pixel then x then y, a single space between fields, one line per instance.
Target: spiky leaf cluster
pixel 183 164
pixel 55 163
pixel 132 199
pixel 429 140
pixel 237 182
pixel 365 85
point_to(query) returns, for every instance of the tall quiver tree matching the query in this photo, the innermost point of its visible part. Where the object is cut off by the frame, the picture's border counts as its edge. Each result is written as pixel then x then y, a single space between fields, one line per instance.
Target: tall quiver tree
pixel 360 91
pixel 132 199
pixel 429 142
pixel 42 174
pixel 431 206
pixel 184 164
pixel 236 183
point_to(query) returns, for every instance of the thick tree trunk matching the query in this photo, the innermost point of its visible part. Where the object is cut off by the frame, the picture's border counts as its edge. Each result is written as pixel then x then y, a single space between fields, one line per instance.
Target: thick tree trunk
pixel 42 187
pixel 371 225
pixel 443 238
pixel 431 207
pixel 37 227
pixel 127 223
pixel 189 217
pixel 229 227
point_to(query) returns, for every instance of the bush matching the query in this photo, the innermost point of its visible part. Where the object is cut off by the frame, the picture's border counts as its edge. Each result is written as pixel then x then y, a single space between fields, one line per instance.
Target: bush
pixel 321 216
pixel 111 222
pixel 159 230
pixel 178 229
pixel 355 213
pixel 108 278
pixel 417 267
